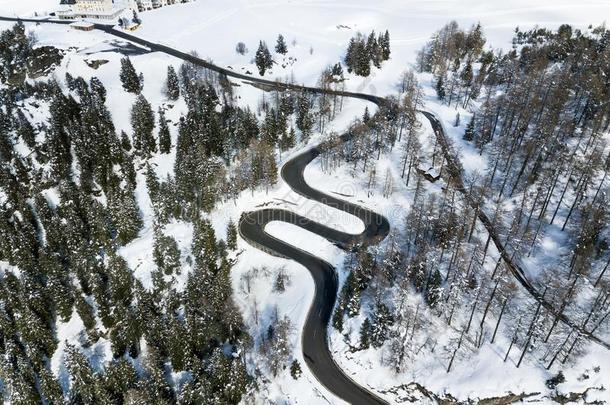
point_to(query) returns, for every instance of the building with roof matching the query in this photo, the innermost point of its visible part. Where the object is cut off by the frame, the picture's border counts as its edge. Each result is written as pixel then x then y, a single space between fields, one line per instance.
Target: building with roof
pixel 105 10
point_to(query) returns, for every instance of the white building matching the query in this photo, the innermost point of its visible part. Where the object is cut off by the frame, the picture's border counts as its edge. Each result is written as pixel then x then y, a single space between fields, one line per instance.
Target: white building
pixel 144 5
pixel 94 9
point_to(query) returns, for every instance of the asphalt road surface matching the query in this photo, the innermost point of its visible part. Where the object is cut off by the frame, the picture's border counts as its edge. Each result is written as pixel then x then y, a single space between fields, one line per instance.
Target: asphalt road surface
pixel 314 336
pixel 252 225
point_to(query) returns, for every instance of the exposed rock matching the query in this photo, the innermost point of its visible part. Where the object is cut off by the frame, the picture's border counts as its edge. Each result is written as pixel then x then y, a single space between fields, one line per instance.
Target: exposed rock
pixel 507 399
pixel 577 397
pixel 417 393
pixel 95 64
pixel 43 60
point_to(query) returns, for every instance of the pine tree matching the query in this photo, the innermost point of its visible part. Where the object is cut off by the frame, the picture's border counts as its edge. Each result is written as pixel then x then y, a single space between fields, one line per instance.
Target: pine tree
pixel 204 246
pixel 362 58
pixel 295 369
pixel 384 43
pixel 83 385
pixel 440 87
pixel 98 89
pixel 152 183
pixel 172 85
pixel 366 117
pixel 165 140
pixel 338 317
pixel 270 129
pixel 125 215
pixel 280 46
pixel 288 140
pixel 166 253
pixel 263 58
pixel 365 334
pixel 469 133
pixel 304 118
pixel 382 320
pixel 85 312
pixel 129 77
pixel 350 55
pixel 231 235
pixel 125 142
pixel 25 130
pixel 120 377
pixel 120 280
pixel 373 50
pixel 143 124
pixel 50 388
pixel 433 291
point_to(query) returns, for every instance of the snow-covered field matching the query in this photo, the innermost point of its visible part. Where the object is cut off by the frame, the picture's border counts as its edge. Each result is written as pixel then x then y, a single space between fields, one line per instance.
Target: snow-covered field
pixel 317 33
pixel 26 8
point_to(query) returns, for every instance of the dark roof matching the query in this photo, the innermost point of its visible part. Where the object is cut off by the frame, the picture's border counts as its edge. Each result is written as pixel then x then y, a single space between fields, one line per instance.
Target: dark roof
pixel 67 2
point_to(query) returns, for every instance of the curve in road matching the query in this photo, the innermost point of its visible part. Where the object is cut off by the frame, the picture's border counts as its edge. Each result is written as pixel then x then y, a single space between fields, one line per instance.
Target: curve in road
pixel 314 337
pixel 252 227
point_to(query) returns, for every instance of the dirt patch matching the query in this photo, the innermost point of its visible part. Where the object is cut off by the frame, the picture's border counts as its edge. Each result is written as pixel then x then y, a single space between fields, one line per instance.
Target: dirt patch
pixel 95 64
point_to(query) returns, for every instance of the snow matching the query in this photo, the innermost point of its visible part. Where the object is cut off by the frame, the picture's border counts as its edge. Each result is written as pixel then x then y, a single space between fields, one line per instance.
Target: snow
pixel 326 26
pixel 319 26
pixel 72 332
pixel 27 8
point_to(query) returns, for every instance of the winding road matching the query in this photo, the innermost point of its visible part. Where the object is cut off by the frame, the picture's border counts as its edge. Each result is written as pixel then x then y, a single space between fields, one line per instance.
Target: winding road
pixel 314 336
pixel 252 229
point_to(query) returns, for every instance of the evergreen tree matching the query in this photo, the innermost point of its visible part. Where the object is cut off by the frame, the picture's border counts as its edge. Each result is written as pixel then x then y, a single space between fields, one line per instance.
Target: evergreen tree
pixel 295 369
pixel 469 133
pixel 366 117
pixel 98 89
pixel 337 71
pixel 350 55
pixel 120 377
pixel 384 44
pixel 152 183
pixel 143 124
pixel 365 334
pixel 338 317
pixel 373 50
pixel 85 312
pixel 83 384
pixel 263 58
pixel 129 77
pixel 50 388
pixel 231 235
pixel 166 253
pixel 382 320
pixel 165 140
pixel 172 85
pixel 124 214
pixel 280 46
pixel 125 142
pixel 25 130
pixel 304 118
pixel 120 280
pixel 362 58
pixel 440 87
pixel 288 140
pixel 433 290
